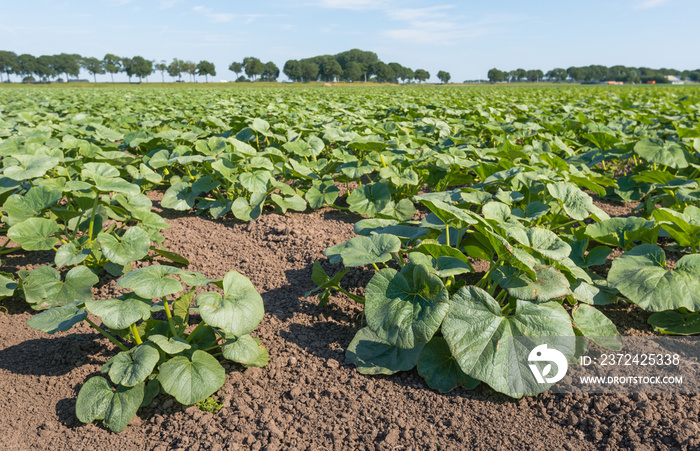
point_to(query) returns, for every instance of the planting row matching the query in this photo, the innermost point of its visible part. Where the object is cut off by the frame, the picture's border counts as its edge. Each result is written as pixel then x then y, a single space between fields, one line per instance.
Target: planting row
pixel 507 176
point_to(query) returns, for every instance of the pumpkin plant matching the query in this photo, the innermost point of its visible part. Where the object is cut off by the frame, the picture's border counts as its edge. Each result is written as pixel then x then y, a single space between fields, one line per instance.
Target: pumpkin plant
pixel 163 355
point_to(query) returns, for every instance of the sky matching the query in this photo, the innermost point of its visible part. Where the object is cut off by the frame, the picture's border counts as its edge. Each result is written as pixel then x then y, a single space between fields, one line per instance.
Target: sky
pixel 464 38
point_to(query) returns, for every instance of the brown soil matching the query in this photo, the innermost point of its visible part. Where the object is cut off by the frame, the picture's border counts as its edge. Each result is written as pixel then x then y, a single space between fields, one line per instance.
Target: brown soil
pixel 308 397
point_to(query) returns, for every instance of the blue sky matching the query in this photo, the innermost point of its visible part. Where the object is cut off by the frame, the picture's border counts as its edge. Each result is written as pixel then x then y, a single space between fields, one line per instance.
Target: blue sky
pixel 465 38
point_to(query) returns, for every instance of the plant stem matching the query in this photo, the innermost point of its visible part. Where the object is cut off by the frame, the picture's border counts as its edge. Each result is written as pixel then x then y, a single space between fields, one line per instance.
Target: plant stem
pixel 106 335
pixel 350 295
pixel 135 333
pixel 92 216
pixel 169 314
pixel 447 234
pixel 194 332
pixel 375 266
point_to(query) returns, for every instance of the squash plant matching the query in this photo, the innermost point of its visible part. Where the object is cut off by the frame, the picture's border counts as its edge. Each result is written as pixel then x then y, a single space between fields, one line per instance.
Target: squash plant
pixel 163 355
pixel 420 312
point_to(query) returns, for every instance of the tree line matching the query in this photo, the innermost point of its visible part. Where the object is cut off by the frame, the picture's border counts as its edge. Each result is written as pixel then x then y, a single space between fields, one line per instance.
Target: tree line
pixel 352 65
pixel 46 67
pixel 593 74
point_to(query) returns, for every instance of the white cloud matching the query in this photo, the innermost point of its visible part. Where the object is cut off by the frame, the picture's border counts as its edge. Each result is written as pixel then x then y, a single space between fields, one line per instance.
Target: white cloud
pixel 647 4
pixel 224 17
pixel 212 16
pixel 435 25
pixel 165 4
pixel 414 14
pixel 437 33
pixel 352 4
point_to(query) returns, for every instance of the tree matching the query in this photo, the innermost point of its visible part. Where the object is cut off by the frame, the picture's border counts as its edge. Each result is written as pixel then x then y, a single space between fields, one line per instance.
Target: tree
pixel 557 75
pixel 292 69
pixel 162 68
pixel 112 64
pixel 408 75
pixel 175 68
pixel 206 68
pixel 253 67
pixel 26 64
pixel 8 63
pixel 534 76
pixel 271 71
pixel 443 76
pixel 353 72
pixel 68 64
pixel 421 75
pixel 141 67
pixel 330 69
pixel 363 58
pixel 383 72
pixel 309 71
pixel 495 75
pixel 236 68
pixel 127 67
pixel 189 67
pixel 45 67
pixel 93 66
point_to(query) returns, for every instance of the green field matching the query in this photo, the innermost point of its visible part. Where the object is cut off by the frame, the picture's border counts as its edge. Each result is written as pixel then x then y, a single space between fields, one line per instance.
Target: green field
pixel 516 181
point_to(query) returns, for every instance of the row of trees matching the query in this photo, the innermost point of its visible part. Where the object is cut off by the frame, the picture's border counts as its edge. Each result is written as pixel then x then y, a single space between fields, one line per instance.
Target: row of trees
pixel 352 65
pixel 46 67
pixel 255 69
pixel 592 74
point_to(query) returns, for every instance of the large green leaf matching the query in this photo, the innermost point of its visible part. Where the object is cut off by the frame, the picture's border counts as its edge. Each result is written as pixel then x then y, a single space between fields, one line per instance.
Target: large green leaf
pixel 372 355
pixel 193 379
pixel 245 350
pixel 248 211
pixel 43 288
pixel 672 322
pixel 597 327
pixel 493 347
pixel 134 245
pixel 441 266
pixel 656 150
pixel 19 208
pixel 69 255
pixel 685 229
pixel 58 319
pixel 321 193
pixel 30 167
pixel 405 308
pixel 116 184
pixel 8 285
pixel 98 401
pixel 173 345
pixel 152 281
pixel 255 181
pixel 539 240
pixel 34 234
pixel 641 276
pixel 238 312
pixel 132 367
pixel 622 232
pixel 179 197
pixel 369 199
pixel 120 313
pixel 440 369
pixel 550 283
pixel 364 250
pixel 575 202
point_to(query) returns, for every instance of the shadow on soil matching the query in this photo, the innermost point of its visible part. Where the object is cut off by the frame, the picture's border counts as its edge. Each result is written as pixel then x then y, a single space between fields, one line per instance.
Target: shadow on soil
pixel 52 356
